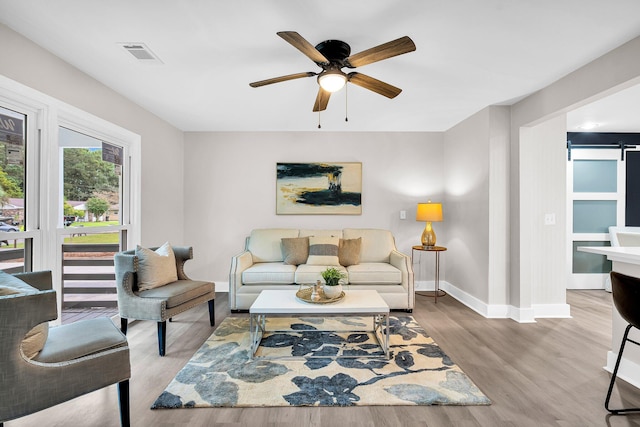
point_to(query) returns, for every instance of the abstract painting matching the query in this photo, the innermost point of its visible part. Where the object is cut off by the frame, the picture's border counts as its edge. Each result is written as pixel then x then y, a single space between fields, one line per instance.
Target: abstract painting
pixel 319 188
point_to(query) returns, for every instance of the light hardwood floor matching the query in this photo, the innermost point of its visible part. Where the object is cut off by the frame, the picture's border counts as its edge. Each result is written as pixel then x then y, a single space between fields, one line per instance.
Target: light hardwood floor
pixel 548 373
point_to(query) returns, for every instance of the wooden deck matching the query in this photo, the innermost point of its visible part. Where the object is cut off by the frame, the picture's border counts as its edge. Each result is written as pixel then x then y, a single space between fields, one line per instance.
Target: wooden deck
pixel 70 315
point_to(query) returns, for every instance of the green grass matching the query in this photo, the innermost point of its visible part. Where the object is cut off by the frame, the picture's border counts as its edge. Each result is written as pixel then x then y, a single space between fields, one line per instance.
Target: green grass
pixel 93 224
pixel 113 237
pixel 94 238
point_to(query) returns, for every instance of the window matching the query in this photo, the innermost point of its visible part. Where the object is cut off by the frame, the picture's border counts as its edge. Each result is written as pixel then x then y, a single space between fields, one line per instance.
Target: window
pixel 31 179
pixel 13 138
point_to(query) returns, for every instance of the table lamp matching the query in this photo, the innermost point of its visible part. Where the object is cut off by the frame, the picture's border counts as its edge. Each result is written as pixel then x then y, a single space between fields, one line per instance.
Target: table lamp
pixel 429 212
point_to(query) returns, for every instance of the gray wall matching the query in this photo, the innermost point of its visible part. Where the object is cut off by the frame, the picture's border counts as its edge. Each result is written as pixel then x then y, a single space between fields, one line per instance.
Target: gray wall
pixel 230 186
pixel 476 156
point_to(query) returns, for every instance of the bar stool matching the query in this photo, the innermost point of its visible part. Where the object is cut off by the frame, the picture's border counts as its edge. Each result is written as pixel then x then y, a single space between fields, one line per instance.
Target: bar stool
pixel 626 297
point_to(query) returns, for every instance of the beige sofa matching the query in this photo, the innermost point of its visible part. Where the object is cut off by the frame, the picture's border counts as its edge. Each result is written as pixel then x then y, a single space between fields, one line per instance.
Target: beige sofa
pixel 262 266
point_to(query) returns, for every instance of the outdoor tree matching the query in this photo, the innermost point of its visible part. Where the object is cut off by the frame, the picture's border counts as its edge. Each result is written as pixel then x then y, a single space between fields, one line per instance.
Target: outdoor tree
pixel 71 211
pixel 85 174
pixel 97 206
pixel 9 185
pixel 67 209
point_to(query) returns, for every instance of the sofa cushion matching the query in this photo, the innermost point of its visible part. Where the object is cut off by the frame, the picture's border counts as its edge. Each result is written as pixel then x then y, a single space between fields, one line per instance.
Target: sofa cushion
pixel 179 292
pixel 323 250
pixel 349 251
pixel 35 339
pixel 295 250
pixel 156 268
pixel 88 337
pixel 265 244
pixel 374 273
pixel 308 274
pixel 269 272
pixel 376 244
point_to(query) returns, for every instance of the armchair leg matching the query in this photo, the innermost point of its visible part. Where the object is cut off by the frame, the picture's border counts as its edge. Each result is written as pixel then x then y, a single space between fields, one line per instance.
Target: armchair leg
pixel 162 337
pixel 212 313
pixel 123 326
pixel 123 399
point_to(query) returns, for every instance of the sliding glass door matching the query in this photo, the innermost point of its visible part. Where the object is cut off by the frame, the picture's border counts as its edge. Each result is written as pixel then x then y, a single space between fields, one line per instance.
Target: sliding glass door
pixel 596 189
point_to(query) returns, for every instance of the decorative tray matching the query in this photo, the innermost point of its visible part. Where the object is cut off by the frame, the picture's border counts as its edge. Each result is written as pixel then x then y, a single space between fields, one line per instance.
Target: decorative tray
pixel 305 296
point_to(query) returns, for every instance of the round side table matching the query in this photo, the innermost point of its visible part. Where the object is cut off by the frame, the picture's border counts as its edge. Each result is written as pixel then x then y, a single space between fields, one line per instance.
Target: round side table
pixel 436 250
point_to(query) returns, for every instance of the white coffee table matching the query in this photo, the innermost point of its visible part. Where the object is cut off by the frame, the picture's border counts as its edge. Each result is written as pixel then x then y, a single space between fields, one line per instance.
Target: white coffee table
pixel 283 303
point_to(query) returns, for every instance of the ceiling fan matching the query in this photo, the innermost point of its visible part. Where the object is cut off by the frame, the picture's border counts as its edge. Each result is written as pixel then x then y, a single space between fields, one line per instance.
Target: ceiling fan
pixel 332 56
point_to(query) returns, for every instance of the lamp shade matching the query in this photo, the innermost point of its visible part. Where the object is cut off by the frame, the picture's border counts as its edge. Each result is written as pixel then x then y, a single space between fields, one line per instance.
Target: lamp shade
pixel 430 212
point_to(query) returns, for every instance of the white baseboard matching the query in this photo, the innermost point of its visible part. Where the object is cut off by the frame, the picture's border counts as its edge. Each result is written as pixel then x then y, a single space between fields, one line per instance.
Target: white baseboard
pixel 490 311
pixel 222 286
pixel 505 311
pixel 628 370
pixel 425 285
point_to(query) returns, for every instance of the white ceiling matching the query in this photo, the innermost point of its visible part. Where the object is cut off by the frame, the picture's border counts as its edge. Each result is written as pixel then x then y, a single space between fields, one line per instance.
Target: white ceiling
pixel 470 54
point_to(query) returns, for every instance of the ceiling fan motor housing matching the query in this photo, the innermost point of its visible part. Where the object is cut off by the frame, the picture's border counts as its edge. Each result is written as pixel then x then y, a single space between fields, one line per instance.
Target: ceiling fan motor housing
pixel 336 51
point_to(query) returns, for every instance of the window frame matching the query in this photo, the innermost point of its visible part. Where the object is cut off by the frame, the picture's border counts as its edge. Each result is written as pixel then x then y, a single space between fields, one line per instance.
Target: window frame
pixel 44 198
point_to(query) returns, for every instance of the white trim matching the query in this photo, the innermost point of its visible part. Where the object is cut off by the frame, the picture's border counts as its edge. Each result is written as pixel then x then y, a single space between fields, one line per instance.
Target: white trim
pixel 425 285
pixel 628 371
pixel 222 286
pixel 522 315
pixel 588 281
pixel 504 311
pixel 490 311
pixel 551 311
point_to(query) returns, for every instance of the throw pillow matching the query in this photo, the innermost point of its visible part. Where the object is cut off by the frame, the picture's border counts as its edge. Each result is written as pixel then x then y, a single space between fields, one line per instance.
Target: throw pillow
pixel 349 251
pixel 295 250
pixel 323 250
pixel 156 268
pixel 34 340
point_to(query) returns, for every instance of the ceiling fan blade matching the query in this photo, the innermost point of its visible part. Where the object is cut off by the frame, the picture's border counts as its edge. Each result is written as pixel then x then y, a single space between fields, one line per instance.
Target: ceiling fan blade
pixel 375 85
pixel 383 51
pixel 282 79
pixel 300 43
pixel 321 100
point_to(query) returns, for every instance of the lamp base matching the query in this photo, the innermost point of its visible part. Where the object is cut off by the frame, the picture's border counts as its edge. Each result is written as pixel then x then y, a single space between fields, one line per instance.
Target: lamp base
pixel 428 235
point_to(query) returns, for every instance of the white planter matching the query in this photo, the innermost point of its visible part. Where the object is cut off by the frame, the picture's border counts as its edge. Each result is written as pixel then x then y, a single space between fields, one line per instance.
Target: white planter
pixel 332 291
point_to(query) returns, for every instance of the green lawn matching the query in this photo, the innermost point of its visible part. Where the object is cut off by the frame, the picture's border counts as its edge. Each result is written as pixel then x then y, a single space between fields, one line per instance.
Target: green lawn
pixel 112 237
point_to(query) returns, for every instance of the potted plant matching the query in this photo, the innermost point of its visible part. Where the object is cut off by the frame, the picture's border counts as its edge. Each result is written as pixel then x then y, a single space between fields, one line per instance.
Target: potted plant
pixel 332 287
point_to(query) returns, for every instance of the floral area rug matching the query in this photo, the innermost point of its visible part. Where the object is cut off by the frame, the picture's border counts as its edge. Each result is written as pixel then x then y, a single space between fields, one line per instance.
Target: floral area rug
pixel 223 374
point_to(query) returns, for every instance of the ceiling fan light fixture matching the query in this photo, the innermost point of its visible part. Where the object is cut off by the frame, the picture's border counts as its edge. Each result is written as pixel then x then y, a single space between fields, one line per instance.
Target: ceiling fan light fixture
pixel 332 80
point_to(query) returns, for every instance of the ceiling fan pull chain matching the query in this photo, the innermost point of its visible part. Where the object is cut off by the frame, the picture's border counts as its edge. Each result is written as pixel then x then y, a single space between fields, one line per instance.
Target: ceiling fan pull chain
pixel 319 127
pixel 346 103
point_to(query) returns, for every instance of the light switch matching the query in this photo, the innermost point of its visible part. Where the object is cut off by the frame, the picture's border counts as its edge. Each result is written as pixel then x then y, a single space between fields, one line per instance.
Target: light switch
pixel 403 214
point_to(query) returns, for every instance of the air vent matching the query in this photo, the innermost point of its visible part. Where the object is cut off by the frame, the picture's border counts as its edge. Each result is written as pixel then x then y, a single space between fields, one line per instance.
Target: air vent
pixel 141 52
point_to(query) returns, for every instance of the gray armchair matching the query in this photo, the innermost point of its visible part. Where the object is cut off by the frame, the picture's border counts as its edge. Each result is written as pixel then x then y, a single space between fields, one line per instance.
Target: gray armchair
pixel 73 360
pixel 162 303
